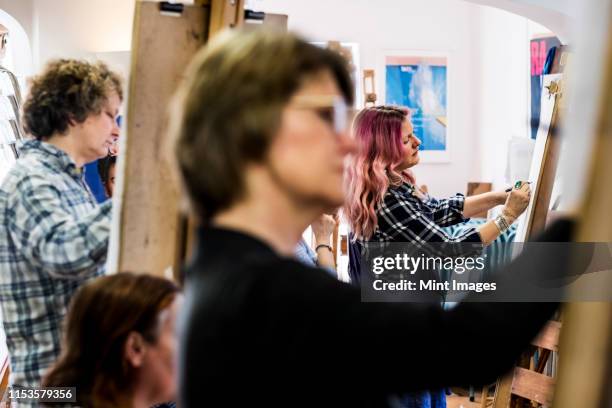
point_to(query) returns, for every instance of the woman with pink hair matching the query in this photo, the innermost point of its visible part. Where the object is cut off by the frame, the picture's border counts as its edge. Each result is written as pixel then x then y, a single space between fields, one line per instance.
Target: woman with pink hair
pixel 385 205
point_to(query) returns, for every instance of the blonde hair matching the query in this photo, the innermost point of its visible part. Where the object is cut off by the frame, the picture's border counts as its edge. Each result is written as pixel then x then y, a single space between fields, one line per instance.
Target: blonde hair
pixel 228 109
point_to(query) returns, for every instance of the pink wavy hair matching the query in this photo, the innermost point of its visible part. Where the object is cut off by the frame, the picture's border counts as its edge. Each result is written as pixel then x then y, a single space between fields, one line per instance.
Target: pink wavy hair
pixel 378 132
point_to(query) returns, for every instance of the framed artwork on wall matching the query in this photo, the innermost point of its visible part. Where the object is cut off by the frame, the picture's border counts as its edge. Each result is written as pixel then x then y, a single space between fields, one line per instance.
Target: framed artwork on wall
pixel 418 80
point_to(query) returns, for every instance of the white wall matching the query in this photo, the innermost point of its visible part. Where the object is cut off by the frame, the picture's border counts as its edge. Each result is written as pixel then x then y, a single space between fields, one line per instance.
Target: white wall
pixel 488 76
pixel 558 15
pixel 502 80
pixel 20 10
pixel 46 29
pixel 79 29
pixel 19 52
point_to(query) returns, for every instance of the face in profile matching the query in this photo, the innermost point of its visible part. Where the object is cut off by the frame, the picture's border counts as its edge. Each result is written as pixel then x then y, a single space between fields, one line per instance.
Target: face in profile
pixel 307 154
pixel 99 132
pixel 109 186
pixel 410 146
pixel 155 363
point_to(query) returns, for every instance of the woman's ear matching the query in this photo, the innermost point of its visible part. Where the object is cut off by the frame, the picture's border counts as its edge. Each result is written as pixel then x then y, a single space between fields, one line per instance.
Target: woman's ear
pixel 134 349
pixel 71 121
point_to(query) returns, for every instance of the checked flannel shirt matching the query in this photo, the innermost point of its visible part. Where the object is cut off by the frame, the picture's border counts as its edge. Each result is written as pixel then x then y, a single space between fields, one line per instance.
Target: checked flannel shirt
pixel 53 237
pixel 404 217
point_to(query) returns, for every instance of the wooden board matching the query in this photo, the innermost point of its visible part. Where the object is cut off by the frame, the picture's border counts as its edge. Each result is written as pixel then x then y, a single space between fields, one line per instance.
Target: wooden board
pixel 369 87
pixel 150 228
pixel 533 386
pixel 503 391
pixel 548 338
pixel 225 14
pixel 585 372
pixel 279 21
pixel 525 380
pixel 585 363
pixel 4 377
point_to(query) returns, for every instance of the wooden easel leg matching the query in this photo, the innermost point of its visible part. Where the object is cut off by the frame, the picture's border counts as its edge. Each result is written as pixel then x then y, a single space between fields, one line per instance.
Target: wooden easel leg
pixel 503 390
pixel 484 396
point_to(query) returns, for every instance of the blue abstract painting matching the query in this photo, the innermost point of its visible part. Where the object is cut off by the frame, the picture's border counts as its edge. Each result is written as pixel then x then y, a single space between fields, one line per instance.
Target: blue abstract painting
pixel 420 84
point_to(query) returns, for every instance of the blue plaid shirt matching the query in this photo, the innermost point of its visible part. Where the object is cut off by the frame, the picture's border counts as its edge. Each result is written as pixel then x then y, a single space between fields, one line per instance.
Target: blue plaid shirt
pixel 404 217
pixel 53 237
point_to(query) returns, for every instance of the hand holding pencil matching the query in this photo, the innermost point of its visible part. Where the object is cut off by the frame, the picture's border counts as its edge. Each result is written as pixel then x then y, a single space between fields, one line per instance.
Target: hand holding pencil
pixel 517 201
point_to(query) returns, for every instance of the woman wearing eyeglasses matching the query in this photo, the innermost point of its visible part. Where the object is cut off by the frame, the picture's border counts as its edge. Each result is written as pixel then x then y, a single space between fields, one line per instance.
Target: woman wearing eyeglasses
pixel 261 140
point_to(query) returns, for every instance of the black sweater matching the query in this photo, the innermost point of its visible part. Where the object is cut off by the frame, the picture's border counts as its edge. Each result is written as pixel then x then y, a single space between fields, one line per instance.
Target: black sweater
pixel 259 329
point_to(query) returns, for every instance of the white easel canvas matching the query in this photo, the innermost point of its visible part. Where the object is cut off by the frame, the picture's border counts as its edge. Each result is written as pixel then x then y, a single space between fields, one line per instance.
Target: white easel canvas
pixel 535 173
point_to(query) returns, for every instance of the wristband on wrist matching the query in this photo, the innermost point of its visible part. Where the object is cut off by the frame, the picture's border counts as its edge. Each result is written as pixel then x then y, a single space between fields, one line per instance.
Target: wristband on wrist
pixel 324 246
pixel 501 223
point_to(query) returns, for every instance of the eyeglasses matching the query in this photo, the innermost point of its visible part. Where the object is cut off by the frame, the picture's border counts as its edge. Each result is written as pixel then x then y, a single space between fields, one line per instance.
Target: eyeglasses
pixel 113 149
pixel 331 109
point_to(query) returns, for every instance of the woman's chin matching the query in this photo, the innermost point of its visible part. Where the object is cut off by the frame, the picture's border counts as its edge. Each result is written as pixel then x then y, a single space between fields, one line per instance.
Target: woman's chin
pixel 102 153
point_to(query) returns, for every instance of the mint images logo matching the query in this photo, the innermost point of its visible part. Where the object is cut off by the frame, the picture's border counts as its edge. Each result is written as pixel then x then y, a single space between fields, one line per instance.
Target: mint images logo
pixel 511 272
pixel 433 285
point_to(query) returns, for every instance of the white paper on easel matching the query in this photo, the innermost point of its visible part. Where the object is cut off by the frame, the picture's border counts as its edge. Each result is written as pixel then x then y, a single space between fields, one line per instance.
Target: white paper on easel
pixel 547 106
pixel 520 154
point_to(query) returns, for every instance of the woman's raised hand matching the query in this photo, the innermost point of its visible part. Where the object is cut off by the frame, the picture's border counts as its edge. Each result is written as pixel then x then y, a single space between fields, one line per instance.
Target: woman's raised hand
pixel 517 201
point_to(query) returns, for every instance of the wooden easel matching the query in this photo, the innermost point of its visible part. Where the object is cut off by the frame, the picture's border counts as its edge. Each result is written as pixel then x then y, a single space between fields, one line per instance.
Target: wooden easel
pixel 4 379
pixel 369 87
pixel 527 381
pixel 152 232
pixel 543 172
